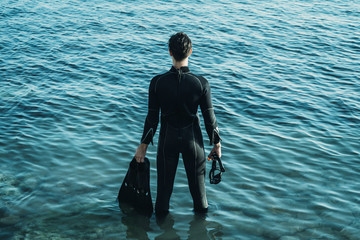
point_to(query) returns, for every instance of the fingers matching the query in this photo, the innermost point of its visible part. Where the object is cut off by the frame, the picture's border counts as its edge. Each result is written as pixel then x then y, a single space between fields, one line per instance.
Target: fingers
pixel 210 156
pixel 139 159
pixel 140 153
pixel 217 150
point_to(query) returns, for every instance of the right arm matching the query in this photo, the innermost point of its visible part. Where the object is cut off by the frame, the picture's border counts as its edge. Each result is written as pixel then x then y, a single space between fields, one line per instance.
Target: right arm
pixel 211 125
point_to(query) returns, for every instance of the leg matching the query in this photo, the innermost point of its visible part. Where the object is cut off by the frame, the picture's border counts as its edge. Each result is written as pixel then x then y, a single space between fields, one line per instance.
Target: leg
pixel 195 164
pixel 167 161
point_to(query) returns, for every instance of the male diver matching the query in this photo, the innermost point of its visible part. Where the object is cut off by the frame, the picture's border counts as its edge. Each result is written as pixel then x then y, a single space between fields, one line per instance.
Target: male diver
pixel 177 95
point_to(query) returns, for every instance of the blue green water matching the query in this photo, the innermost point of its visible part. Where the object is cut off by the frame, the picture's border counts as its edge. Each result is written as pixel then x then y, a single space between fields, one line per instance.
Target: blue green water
pixel 73 95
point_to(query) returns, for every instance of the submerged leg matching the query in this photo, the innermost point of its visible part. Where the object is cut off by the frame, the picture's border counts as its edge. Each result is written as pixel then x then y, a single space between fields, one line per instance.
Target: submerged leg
pixel 167 161
pixel 195 165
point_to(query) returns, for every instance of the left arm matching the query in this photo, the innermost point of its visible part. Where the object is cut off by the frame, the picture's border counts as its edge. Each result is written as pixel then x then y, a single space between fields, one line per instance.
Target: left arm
pixel 151 123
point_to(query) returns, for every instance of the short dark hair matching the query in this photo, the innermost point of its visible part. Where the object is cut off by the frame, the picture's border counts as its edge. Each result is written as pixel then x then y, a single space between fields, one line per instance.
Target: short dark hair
pixel 180 46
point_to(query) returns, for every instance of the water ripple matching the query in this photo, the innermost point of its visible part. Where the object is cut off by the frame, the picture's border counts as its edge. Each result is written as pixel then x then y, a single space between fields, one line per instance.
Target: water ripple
pixel 73 97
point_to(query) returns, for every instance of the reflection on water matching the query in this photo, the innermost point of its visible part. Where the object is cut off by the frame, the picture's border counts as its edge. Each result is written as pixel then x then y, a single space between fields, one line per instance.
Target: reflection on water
pixel 166 224
pixel 137 226
pixel 201 228
pixel 142 227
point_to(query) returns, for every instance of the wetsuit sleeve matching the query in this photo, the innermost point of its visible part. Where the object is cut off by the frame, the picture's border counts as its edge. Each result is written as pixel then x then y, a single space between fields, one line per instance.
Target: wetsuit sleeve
pixel 152 118
pixel 207 111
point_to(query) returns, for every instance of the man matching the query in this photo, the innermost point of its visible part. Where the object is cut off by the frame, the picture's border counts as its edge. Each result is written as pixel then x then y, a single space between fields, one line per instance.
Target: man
pixel 178 93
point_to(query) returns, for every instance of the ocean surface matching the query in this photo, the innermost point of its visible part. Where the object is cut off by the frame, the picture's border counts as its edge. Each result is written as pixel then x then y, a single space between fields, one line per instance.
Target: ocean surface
pixel 74 77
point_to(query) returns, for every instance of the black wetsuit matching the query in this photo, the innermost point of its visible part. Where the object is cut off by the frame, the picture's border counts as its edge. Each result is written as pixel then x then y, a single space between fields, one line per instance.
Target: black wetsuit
pixel 178 93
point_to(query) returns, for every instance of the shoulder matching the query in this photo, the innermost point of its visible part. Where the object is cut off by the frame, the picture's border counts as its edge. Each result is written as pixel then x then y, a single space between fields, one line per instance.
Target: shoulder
pixel 155 80
pixel 162 75
pixel 202 80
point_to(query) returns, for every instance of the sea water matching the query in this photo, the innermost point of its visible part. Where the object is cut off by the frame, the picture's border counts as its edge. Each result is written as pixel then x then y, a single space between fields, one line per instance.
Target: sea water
pixel 74 77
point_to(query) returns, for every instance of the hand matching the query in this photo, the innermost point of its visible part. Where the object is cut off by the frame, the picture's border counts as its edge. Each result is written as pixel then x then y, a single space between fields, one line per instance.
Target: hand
pixel 141 152
pixel 216 149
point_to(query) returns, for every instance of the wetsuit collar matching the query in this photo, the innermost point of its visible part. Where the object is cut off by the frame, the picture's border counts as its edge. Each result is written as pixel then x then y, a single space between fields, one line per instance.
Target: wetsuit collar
pixel 183 69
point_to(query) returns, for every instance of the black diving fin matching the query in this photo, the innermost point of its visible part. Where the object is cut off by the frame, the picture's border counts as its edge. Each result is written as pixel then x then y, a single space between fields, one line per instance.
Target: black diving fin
pixel 135 189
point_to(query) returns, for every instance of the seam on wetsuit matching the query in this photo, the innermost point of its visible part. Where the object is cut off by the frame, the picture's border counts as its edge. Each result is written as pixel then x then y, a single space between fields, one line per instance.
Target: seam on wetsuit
pixel 152 136
pixel 186 126
pixel 195 150
pixel 208 109
pixel 201 85
pixel 215 130
pixel 157 81
pixel 212 118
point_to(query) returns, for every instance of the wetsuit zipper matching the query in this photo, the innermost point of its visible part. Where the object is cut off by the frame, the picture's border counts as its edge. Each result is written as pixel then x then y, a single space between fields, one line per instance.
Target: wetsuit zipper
pixel 179 80
pixel 178 95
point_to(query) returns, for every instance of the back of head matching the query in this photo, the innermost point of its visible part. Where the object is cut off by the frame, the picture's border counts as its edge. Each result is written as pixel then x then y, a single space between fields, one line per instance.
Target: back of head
pixel 180 46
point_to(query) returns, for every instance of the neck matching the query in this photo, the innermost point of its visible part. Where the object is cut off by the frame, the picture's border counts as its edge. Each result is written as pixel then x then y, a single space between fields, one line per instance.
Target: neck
pixel 179 64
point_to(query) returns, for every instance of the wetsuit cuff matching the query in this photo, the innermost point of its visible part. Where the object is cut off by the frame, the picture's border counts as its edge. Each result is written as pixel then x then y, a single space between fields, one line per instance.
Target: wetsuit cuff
pixel 148 138
pixel 215 138
pixel 147 141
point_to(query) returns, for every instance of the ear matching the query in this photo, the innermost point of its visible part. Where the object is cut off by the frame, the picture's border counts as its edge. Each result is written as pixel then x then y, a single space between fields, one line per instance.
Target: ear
pixel 190 52
pixel 170 52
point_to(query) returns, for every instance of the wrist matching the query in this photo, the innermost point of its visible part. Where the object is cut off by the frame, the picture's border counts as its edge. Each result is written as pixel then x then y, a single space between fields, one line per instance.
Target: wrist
pixel 144 145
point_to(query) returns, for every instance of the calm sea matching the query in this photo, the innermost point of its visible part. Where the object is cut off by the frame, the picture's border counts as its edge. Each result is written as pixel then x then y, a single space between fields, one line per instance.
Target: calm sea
pixel 73 96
